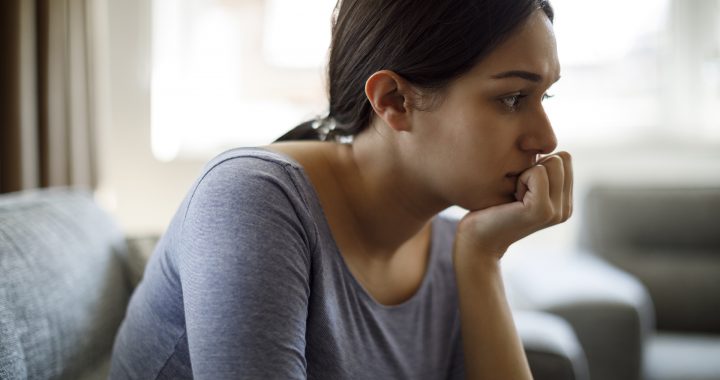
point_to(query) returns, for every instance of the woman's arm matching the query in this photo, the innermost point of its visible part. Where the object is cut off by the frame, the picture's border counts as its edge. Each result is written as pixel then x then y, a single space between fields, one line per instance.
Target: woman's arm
pixel 244 268
pixel 491 344
pixel 493 349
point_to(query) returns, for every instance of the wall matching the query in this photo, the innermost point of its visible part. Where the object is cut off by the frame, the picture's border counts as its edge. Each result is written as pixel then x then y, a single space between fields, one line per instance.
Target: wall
pixel 142 192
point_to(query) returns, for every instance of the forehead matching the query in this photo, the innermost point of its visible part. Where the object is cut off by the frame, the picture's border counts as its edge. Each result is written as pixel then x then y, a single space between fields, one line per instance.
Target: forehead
pixel 531 47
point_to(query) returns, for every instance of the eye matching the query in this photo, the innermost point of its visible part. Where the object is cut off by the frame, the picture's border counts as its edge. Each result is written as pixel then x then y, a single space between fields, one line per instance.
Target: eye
pixel 512 101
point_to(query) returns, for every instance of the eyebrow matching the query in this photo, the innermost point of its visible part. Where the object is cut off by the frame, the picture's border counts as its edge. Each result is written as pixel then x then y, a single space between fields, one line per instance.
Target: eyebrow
pixel 532 77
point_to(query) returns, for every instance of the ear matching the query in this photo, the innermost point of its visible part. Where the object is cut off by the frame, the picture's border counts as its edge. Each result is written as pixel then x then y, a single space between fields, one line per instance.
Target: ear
pixel 388 94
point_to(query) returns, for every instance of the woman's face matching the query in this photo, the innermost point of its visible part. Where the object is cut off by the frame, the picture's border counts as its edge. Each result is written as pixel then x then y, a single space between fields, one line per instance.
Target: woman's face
pixel 490 124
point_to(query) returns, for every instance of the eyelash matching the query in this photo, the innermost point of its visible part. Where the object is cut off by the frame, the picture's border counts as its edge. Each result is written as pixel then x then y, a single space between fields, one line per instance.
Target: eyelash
pixel 516 100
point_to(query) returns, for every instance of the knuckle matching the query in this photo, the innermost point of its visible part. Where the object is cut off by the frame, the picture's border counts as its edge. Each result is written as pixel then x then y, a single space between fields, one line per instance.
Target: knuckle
pixel 567 213
pixel 565 156
pixel 557 218
pixel 549 159
pixel 553 163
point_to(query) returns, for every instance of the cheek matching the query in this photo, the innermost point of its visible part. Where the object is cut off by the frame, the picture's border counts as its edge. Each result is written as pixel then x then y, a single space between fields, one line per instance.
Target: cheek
pixel 483 141
pixel 468 147
pixel 481 155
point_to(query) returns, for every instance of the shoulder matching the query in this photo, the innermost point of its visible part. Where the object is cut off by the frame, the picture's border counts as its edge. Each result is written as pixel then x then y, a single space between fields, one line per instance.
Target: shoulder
pixel 248 161
pixel 244 173
pixel 251 187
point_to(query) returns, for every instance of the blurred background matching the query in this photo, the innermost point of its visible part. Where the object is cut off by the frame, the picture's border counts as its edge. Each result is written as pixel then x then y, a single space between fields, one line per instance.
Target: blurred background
pixel 180 81
pixel 152 89
pixel 130 98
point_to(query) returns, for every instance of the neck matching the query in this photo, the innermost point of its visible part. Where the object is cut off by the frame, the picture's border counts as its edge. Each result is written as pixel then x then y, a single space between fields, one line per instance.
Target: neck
pixel 389 207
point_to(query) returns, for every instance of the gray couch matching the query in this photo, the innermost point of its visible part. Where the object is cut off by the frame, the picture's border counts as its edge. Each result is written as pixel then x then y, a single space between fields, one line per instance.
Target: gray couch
pixel 64 286
pixel 642 292
pixel 68 272
pixel 669 239
pixel 608 310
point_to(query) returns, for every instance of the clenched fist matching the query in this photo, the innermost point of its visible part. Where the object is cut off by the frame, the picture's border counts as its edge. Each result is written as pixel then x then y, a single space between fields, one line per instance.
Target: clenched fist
pixel 543 198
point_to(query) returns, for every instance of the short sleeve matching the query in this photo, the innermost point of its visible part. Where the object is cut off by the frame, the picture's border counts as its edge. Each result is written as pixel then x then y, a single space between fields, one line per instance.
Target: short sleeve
pixel 244 264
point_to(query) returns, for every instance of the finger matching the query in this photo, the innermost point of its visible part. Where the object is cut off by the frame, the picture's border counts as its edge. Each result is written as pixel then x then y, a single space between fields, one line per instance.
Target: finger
pixel 567 185
pixel 536 196
pixel 556 176
pixel 521 190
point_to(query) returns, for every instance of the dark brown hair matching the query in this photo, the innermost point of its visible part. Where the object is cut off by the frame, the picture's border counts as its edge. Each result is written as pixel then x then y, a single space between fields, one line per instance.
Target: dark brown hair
pixel 427 42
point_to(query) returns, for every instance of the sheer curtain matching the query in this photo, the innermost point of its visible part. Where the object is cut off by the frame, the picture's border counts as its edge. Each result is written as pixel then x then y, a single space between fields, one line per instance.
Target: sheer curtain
pixel 47 119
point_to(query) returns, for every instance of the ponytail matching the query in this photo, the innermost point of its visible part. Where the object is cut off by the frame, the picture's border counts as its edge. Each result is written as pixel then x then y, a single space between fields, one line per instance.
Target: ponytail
pixel 319 129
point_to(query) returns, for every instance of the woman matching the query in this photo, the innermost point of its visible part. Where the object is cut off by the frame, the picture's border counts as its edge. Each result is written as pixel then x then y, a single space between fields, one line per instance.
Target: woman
pixel 325 259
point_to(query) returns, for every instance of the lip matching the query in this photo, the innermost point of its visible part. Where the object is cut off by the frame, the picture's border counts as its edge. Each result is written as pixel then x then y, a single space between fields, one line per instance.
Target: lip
pixel 516 174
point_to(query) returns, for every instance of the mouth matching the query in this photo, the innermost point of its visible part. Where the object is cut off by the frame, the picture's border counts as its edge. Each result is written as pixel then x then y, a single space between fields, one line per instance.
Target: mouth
pixel 511 181
pixel 517 174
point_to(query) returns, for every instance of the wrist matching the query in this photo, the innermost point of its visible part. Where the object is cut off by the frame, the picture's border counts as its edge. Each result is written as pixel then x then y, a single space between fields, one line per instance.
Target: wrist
pixel 471 238
pixel 470 248
pixel 468 258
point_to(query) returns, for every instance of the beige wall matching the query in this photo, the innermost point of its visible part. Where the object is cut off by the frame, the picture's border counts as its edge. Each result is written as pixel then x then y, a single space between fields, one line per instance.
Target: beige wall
pixel 142 192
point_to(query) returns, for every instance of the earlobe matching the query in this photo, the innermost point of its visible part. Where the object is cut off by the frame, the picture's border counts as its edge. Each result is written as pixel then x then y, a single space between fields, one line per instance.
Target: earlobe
pixel 387 93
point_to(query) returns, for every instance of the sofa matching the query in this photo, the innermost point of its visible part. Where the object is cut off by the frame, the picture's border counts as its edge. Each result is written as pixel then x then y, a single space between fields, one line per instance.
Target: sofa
pixel 68 273
pixel 608 310
pixel 668 238
pixel 64 285
pixel 648 263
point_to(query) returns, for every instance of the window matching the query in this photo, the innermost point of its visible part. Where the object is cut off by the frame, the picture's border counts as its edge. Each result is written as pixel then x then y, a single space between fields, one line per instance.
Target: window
pixel 638 71
pixel 232 73
pixel 237 73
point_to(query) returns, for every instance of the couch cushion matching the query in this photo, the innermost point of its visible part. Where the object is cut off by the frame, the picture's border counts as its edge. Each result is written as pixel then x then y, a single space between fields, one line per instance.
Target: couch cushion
pixel 669 239
pixel 683 357
pixel 63 289
pixel 610 311
pixel 684 286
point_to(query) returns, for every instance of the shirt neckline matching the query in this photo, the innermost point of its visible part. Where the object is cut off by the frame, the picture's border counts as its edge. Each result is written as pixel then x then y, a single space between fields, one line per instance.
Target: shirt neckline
pixel 323 224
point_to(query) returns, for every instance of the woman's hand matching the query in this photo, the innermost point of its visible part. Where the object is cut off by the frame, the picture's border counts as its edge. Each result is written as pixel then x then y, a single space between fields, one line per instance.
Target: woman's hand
pixel 543 198
pixel 490 341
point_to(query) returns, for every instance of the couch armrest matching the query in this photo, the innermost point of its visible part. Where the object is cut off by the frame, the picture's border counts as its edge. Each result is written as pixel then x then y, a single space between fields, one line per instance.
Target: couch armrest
pixel 63 288
pixel 552 349
pixel 140 248
pixel 610 311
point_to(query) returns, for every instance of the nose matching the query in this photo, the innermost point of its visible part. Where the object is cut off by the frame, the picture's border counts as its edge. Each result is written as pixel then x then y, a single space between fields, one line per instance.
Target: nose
pixel 539 136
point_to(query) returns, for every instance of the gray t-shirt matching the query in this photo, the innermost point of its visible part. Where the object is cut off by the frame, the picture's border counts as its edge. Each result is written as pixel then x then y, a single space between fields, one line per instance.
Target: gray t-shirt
pixel 248 283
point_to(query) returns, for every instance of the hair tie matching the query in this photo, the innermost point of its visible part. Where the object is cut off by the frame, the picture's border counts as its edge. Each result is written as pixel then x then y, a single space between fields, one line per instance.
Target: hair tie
pixel 323 126
pixel 326 129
